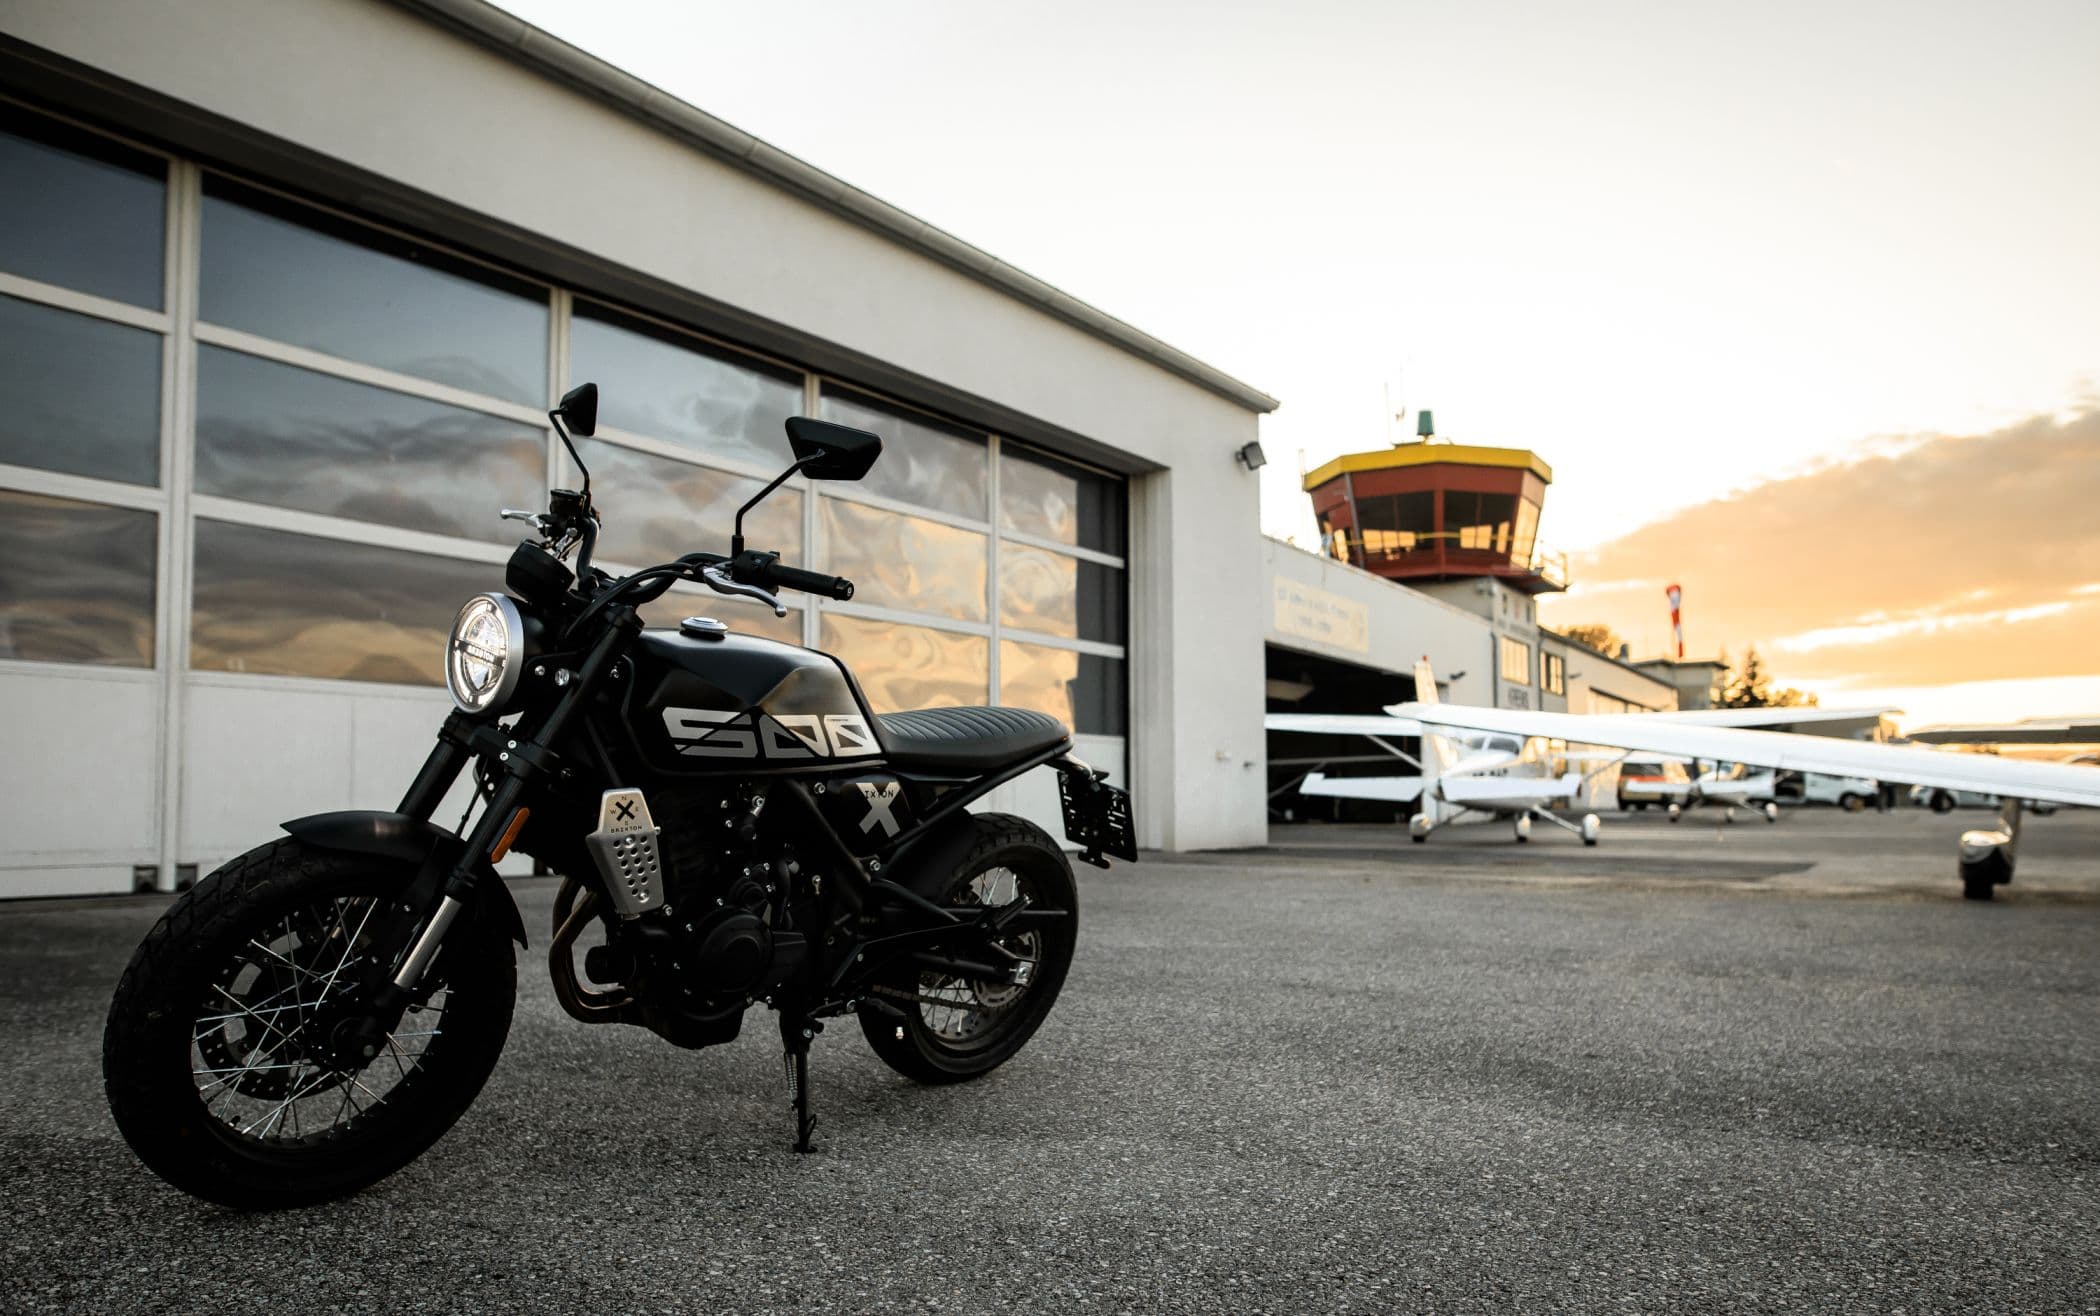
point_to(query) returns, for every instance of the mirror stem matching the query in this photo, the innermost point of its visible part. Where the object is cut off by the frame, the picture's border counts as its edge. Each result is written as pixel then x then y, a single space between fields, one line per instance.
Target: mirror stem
pixel 736 538
pixel 563 431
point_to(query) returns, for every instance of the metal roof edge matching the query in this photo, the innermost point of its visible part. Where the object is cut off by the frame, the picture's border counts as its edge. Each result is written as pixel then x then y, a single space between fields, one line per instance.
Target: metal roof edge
pixel 550 56
pixel 1404 455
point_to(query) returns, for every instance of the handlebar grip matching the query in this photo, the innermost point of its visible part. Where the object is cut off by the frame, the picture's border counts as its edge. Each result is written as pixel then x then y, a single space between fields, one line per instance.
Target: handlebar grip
pixel 809 582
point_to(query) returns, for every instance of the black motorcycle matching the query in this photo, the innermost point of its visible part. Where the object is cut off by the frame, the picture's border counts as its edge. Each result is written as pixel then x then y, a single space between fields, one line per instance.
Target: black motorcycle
pixel 734 827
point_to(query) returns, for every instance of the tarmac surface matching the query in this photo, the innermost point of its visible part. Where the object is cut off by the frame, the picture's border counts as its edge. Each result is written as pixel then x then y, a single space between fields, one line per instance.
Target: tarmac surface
pixel 1702 1067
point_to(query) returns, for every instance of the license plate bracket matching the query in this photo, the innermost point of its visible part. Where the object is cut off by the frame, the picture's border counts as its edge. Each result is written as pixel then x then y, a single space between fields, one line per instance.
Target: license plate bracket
pixel 1097 817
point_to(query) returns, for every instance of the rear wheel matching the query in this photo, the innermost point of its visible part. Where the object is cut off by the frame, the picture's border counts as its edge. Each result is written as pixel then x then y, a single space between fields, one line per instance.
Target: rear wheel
pixel 957 1028
pixel 217 1057
pixel 1852 802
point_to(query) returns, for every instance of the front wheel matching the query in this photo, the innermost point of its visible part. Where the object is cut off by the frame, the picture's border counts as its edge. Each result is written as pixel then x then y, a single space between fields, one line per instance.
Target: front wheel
pixel 217 1056
pixel 957 1028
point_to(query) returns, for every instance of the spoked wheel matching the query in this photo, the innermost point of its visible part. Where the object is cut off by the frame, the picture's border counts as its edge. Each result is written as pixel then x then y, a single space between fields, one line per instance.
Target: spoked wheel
pixel 262 1062
pixel 222 1056
pixel 955 1027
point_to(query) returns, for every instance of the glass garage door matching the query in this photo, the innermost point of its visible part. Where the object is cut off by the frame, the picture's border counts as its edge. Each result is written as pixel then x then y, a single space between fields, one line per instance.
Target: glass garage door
pixel 252 457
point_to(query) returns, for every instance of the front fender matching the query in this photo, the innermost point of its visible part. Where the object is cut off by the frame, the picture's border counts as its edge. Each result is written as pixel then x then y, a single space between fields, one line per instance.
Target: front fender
pixel 412 840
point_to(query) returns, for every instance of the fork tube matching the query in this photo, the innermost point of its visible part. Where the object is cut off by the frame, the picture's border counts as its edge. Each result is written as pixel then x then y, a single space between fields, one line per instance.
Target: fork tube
pixel 509 793
pixel 440 769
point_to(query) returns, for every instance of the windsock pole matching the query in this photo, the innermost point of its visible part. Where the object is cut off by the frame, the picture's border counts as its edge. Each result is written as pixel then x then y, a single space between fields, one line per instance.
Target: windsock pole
pixel 1675 594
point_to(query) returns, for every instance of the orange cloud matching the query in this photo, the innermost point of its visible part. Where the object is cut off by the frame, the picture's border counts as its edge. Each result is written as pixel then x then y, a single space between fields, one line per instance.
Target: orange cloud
pixel 1950 559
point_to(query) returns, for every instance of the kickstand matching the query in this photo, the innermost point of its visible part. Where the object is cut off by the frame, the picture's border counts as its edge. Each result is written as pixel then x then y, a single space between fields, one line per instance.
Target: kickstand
pixel 796 1031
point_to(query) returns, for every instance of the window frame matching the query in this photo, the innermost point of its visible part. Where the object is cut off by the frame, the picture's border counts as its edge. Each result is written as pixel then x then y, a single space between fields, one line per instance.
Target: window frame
pixel 1510 645
pixel 1553 673
pixel 174 500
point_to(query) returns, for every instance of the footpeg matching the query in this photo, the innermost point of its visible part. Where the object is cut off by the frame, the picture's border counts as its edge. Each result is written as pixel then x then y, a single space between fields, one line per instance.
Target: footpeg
pixel 624 848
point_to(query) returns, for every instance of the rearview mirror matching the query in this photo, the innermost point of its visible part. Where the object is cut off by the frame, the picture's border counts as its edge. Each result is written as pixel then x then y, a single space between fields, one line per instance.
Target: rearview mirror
pixel 579 409
pixel 825 451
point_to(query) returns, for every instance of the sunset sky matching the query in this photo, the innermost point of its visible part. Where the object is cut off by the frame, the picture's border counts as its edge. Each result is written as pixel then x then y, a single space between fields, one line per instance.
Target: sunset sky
pixel 1800 300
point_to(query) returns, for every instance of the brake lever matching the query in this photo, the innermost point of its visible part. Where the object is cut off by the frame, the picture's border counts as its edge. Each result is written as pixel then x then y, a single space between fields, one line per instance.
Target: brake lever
pixel 537 520
pixel 718 580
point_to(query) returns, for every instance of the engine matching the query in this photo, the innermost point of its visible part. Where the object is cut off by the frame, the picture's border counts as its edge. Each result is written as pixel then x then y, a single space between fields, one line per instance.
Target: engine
pixel 722 926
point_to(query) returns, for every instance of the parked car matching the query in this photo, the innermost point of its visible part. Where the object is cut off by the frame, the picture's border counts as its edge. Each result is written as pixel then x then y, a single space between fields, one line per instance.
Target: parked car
pixel 1941 800
pixel 1643 782
pixel 1848 793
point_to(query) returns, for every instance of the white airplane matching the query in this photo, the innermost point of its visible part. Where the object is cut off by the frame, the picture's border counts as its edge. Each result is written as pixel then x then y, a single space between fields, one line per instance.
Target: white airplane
pixel 1985 856
pixel 1731 788
pixel 1507 776
pixel 1500 776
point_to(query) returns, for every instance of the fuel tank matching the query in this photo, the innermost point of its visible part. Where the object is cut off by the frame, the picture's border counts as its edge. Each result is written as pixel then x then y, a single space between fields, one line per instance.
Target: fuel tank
pixel 724 702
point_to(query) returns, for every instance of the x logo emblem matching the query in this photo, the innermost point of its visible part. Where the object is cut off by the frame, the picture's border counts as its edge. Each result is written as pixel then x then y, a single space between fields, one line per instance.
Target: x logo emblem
pixel 625 810
pixel 881 799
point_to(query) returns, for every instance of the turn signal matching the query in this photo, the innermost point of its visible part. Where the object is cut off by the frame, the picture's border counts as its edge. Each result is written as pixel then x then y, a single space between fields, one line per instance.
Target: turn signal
pixel 510 835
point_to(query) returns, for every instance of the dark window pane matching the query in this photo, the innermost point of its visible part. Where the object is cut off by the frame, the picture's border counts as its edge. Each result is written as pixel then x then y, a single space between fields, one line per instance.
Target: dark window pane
pixel 1042 496
pixel 83 212
pixel 82 395
pixel 76 581
pixel 655 509
pixel 1395 524
pixel 656 382
pixel 898 561
pixel 1527 530
pixel 901 667
pixel 1482 521
pixel 290 605
pixel 1078 689
pixel 301 276
pixel 922 461
pixel 1058 595
pixel 273 433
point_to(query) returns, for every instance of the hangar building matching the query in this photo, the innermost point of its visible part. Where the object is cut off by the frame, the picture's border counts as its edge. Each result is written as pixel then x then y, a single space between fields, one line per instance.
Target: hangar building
pixel 285 292
pixel 1431 550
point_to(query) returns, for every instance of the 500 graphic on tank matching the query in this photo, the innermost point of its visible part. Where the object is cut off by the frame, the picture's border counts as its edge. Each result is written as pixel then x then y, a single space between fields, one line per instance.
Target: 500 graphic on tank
pixel 734 825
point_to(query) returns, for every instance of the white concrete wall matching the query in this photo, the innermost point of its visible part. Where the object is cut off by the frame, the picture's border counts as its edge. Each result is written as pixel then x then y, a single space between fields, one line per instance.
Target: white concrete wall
pixel 1404 624
pixel 80 758
pixel 383 91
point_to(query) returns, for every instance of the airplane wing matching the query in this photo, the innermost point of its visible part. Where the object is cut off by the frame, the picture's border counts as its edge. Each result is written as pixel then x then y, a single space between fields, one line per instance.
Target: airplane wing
pixel 1766 717
pixel 2036 731
pixel 1343 724
pixel 2060 783
pixel 1393 790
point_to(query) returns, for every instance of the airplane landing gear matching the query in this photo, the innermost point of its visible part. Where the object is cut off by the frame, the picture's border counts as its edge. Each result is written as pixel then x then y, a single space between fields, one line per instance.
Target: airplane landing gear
pixel 1592 826
pixel 1987 856
pixel 1418 828
pixel 1523 827
pixel 1771 811
pixel 1676 811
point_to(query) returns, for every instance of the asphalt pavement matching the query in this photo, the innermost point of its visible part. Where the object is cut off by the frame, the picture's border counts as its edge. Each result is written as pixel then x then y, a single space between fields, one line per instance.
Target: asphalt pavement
pixel 1700 1068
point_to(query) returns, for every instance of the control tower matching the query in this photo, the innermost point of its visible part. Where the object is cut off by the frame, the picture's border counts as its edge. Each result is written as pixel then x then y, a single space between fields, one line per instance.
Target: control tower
pixel 1426 512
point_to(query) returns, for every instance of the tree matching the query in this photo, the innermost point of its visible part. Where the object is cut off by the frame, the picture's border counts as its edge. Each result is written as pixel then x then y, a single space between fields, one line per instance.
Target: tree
pixel 1596 635
pixel 1750 686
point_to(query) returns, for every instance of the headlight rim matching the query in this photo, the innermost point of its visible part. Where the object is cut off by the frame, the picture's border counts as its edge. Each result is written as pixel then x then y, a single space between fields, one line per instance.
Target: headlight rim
pixel 513 655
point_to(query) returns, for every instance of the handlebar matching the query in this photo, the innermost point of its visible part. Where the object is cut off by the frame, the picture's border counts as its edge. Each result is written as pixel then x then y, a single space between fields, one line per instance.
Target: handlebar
pixel 765 571
pixel 759 570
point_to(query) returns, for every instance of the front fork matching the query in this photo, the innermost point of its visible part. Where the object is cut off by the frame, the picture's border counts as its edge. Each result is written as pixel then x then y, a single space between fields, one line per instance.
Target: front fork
pixel 519 762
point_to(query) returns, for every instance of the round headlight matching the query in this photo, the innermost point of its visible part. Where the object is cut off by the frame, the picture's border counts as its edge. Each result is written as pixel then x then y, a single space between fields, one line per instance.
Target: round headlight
pixel 485 654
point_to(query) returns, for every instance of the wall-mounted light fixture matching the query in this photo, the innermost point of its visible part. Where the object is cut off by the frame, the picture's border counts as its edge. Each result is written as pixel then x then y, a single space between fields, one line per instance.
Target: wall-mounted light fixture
pixel 1252 457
